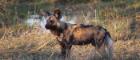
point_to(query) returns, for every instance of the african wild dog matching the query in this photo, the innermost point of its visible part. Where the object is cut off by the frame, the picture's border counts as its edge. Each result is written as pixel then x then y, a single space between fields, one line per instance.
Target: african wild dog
pixel 76 34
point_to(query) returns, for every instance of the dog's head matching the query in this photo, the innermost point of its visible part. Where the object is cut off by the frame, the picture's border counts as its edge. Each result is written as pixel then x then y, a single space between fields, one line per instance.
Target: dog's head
pixel 52 19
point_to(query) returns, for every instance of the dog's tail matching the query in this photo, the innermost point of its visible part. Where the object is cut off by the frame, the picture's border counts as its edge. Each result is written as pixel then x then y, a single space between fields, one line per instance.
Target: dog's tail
pixel 109 44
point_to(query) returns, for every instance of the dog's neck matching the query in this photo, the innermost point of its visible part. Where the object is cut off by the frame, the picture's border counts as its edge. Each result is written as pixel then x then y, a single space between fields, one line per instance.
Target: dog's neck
pixel 59 30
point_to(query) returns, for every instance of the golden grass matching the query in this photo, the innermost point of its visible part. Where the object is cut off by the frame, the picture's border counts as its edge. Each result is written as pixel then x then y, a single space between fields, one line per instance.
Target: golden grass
pixel 29 40
pixel 118 28
pixel 33 43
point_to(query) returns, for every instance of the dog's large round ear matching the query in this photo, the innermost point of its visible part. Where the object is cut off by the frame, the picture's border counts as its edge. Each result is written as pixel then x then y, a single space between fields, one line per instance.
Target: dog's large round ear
pixel 57 13
pixel 44 13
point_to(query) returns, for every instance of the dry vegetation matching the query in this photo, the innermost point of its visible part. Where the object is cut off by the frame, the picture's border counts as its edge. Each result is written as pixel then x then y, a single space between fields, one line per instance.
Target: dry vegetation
pixel 24 43
pixel 20 42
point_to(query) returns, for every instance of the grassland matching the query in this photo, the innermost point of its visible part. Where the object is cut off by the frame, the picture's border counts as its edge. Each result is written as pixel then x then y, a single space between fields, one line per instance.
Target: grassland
pixel 20 42
pixel 25 43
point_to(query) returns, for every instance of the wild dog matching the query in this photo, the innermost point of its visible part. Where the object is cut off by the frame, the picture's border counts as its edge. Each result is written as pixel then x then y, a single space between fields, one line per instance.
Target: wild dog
pixel 76 34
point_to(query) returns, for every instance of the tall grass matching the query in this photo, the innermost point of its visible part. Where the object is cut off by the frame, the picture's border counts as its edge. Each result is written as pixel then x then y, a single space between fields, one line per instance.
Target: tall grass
pixel 34 44
pixel 20 42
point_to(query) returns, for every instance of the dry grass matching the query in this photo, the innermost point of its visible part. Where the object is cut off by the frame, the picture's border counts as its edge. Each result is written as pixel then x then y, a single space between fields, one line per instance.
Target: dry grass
pixel 23 43
pixel 127 50
pixel 119 28
pixel 35 44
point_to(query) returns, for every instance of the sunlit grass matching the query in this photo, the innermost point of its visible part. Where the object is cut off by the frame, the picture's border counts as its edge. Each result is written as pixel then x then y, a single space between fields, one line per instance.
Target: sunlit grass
pixel 35 43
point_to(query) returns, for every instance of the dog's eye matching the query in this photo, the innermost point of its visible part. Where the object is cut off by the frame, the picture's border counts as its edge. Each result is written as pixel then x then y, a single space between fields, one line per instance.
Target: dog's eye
pixel 51 21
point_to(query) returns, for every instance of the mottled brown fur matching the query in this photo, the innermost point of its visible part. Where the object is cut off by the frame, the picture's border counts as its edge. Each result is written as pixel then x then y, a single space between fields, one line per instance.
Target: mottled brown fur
pixel 75 34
